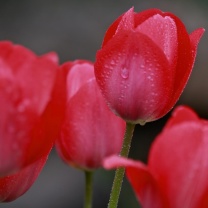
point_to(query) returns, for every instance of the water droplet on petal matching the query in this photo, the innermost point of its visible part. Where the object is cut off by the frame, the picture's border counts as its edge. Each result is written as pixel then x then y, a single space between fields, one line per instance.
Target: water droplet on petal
pixel 124 73
pixel 112 62
pixel 142 123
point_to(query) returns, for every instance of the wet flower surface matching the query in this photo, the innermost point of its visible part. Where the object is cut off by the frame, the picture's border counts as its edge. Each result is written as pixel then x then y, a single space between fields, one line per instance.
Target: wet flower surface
pixel 144 63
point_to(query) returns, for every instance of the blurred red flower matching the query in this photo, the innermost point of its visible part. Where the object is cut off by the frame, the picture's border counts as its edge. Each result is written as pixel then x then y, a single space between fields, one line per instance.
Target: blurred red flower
pixel 177 170
pixel 32 104
pixel 90 131
pixel 144 64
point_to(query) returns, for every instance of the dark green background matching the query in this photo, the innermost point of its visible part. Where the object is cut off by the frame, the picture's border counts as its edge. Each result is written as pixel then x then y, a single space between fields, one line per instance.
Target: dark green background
pixel 75 29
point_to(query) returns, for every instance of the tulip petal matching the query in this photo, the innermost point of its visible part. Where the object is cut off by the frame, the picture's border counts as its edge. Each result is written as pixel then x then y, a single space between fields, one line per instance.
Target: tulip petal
pixel 138 19
pixel 124 22
pixel 16 122
pixel 179 161
pixel 52 56
pixel 27 85
pixel 88 131
pixel 47 128
pixel 195 37
pixel 142 181
pixel 185 59
pixel 181 114
pixel 77 76
pixel 28 70
pixel 13 186
pixel 142 16
pixel 164 35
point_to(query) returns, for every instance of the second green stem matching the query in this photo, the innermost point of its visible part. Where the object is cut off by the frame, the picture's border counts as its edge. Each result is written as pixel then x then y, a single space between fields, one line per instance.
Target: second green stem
pixel 88 189
pixel 118 179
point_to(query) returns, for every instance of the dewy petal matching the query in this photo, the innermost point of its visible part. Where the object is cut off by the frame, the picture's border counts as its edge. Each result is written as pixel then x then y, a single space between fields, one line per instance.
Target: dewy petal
pixel 13 186
pixel 159 42
pixel 133 66
pixel 124 22
pixel 185 59
pixel 163 31
pixel 195 37
pixel 142 181
pixel 179 162
pixel 142 16
pixel 132 20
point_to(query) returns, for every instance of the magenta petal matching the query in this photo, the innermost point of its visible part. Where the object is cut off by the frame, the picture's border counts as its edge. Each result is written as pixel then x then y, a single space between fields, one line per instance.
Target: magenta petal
pixel 164 35
pixel 142 16
pixel 142 181
pixel 124 22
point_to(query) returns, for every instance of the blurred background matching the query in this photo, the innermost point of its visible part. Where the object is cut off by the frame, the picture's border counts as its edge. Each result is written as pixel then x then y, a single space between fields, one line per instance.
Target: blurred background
pixel 75 29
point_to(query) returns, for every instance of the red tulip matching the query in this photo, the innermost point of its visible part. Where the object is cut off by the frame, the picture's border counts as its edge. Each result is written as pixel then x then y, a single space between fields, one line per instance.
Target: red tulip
pixel 177 170
pixel 31 106
pixel 90 131
pixel 13 186
pixel 144 64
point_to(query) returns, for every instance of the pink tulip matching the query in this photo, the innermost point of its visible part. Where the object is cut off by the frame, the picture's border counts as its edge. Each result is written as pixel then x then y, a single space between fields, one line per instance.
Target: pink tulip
pixel 13 186
pixel 177 170
pixel 144 63
pixel 31 106
pixel 90 131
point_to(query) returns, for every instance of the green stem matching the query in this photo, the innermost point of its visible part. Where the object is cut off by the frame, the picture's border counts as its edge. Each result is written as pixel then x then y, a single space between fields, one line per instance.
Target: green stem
pixel 88 189
pixel 118 179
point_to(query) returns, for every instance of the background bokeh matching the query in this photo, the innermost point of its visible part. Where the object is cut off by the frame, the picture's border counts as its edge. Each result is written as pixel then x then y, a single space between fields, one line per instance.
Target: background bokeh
pixel 75 29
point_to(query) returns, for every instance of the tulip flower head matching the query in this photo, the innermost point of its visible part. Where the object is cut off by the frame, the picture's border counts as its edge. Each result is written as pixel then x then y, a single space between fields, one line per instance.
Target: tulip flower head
pixel 144 63
pixel 176 174
pixel 90 131
pixel 31 106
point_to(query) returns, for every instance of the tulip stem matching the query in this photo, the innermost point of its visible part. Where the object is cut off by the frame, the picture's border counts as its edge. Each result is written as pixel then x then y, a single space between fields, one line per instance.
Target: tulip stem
pixel 118 179
pixel 88 189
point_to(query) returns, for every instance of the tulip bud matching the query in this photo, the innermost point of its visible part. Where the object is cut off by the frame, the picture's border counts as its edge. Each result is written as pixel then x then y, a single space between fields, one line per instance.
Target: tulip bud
pixel 90 131
pixel 144 63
